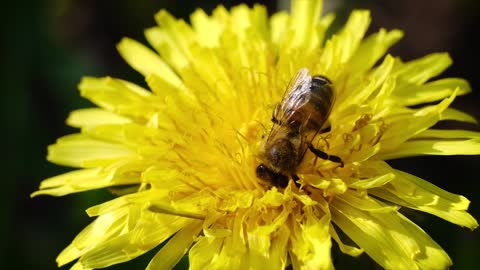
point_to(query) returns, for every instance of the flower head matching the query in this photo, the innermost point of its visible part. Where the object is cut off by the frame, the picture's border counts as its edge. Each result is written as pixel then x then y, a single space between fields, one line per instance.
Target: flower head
pixel 182 156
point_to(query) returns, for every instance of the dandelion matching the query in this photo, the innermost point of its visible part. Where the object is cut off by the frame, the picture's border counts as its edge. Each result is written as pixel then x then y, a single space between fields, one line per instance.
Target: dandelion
pixel 182 155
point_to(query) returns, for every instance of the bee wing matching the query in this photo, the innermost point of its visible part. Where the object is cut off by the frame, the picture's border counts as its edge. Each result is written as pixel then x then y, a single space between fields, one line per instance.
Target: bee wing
pixel 295 97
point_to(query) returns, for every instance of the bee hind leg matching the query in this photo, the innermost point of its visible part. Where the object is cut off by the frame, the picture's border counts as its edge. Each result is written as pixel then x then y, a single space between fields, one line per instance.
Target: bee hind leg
pixel 325 156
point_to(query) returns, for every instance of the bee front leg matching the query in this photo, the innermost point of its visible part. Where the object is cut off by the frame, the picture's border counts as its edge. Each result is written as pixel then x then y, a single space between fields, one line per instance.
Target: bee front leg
pixel 325 156
pixel 275 120
pixel 295 178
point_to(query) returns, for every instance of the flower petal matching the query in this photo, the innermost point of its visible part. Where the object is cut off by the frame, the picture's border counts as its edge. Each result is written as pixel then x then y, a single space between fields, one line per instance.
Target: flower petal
pixel 447 134
pixel 407 125
pixel 363 202
pixel 311 242
pixel 103 228
pixel 420 70
pixel 434 147
pixel 204 254
pixel 372 49
pixel 452 114
pixel 147 231
pixel 373 182
pixel 165 45
pixel 171 253
pixel 278 27
pixel 362 92
pixel 94 117
pixel 146 61
pixel 432 91
pixel 413 192
pixel 387 238
pixel 120 96
pixel 75 181
pixel 340 48
pixel 208 30
pixel 303 21
pixel 83 151
pixel 347 249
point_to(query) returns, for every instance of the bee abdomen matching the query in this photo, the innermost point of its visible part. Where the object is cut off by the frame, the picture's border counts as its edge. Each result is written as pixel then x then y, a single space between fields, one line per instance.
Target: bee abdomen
pixel 321 101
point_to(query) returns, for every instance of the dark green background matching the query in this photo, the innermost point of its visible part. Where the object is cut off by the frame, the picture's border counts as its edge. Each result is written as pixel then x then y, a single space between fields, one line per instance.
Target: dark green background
pixel 47 46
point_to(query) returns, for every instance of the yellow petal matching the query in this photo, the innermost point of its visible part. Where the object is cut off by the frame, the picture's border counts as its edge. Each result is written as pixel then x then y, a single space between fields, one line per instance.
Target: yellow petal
pixel 75 181
pixel 278 26
pixel 147 231
pixel 452 114
pixel 82 151
pixel 406 125
pixel 311 243
pixel 79 266
pixel 161 87
pixel 430 255
pixel 365 203
pixel 166 46
pixel 372 49
pixel 447 134
pixel 207 29
pixel 361 93
pixel 304 18
pixel 258 247
pixel 413 192
pixel 94 117
pixel 178 31
pixel 103 228
pixel 204 254
pixel 352 34
pixel 278 250
pixel 434 147
pixel 389 238
pixel 373 182
pixel 120 96
pixel 141 198
pixel 171 253
pixel 347 249
pixel 421 70
pixel 432 91
pixel 146 61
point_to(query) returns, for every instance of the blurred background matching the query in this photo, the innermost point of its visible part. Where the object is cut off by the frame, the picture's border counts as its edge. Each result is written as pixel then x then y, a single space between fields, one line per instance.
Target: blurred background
pixel 47 46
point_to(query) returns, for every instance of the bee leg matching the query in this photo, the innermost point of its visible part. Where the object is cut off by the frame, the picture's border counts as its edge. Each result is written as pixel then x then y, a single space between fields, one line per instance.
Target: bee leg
pixel 275 112
pixel 325 156
pixel 295 178
pixel 275 120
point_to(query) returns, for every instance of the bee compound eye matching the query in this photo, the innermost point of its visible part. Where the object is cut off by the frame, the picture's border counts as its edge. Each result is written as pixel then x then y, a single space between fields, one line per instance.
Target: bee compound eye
pixel 262 172
pixel 265 173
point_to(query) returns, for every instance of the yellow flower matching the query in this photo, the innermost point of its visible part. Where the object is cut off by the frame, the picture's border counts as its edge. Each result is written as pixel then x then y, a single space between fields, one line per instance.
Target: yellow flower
pixel 182 157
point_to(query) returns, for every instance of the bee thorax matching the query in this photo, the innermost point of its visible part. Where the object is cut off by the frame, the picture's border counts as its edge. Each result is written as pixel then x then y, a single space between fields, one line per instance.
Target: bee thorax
pixel 282 155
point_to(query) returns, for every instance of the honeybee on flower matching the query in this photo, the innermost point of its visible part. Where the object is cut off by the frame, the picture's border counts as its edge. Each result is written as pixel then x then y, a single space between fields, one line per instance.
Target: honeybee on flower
pixel 193 150
pixel 297 120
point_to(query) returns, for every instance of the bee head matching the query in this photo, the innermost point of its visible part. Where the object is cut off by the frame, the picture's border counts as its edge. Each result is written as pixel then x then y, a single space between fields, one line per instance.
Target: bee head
pixel 266 174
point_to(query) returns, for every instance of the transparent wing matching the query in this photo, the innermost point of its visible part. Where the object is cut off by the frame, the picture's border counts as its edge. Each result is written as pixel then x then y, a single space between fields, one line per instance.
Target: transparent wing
pixel 296 94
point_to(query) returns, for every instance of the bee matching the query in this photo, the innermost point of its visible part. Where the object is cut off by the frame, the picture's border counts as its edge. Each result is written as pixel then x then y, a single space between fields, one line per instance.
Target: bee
pixel 300 116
